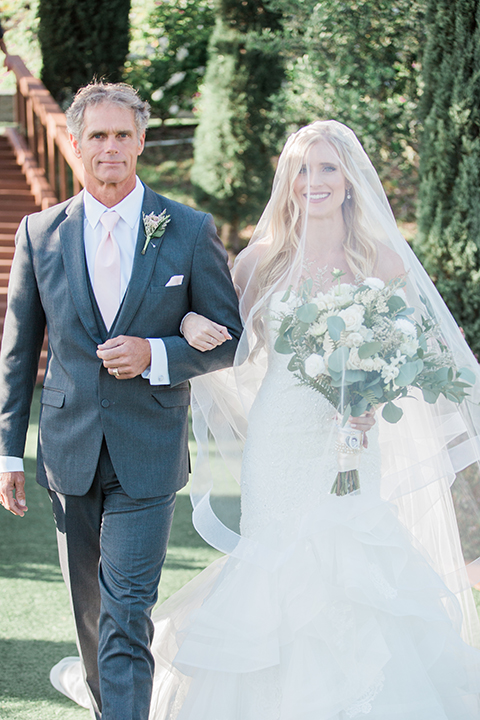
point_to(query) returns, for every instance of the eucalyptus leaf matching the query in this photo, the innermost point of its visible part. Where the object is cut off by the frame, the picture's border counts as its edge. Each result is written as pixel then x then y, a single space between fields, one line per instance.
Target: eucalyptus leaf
pixel 467 375
pixel 352 376
pixel 391 413
pixel 430 396
pixel 359 408
pixel 294 364
pixel 286 295
pixel 395 303
pixel 338 359
pixel 407 373
pixel 368 349
pixel 335 326
pixel 307 313
pixel 283 346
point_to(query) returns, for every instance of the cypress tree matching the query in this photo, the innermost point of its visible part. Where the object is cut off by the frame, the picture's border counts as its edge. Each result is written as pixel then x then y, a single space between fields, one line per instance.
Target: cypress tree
pixel 449 195
pixel 80 40
pixel 232 169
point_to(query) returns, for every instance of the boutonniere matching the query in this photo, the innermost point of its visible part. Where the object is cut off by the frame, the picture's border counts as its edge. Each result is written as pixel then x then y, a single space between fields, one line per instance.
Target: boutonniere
pixel 155 226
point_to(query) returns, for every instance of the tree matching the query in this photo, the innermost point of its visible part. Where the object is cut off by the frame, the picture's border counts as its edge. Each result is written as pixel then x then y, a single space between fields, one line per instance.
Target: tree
pixel 81 40
pixel 168 53
pixel 449 196
pixel 357 62
pixel 235 140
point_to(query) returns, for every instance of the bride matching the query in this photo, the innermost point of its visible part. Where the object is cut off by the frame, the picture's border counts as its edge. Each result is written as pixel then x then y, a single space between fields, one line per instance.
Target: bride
pixel 325 606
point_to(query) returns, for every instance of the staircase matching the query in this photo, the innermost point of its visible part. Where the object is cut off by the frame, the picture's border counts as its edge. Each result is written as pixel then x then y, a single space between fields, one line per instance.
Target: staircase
pixel 16 200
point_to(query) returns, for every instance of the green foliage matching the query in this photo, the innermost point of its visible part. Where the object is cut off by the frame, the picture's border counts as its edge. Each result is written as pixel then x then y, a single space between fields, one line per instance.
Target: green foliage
pixel 356 62
pixel 81 40
pixel 168 52
pixel 449 200
pixel 233 146
pixel 19 21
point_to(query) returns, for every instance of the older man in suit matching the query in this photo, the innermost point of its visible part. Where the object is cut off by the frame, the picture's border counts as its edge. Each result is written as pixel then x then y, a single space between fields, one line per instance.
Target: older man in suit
pixel 110 273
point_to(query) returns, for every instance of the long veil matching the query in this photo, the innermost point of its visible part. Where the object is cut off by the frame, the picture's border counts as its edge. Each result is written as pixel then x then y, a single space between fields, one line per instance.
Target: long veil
pixel 429 459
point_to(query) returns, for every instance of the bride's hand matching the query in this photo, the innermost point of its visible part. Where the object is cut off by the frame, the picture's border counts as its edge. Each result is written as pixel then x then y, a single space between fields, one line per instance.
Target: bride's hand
pixel 203 334
pixel 364 423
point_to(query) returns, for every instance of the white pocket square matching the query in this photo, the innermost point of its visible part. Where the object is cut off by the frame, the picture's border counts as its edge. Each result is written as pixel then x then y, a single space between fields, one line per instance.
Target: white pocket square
pixel 175 280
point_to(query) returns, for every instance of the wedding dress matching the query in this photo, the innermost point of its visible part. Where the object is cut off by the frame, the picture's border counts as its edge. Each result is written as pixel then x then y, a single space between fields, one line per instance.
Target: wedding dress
pixel 349 620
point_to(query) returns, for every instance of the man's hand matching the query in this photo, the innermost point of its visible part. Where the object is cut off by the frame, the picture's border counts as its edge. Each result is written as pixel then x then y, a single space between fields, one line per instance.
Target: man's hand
pixel 125 357
pixel 12 492
pixel 203 334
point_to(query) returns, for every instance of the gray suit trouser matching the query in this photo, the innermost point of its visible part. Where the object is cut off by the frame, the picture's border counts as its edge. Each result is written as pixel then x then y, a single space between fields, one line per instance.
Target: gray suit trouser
pixel 112 549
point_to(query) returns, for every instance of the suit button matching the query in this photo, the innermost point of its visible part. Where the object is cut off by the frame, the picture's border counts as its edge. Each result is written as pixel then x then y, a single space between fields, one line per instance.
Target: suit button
pixel 105 403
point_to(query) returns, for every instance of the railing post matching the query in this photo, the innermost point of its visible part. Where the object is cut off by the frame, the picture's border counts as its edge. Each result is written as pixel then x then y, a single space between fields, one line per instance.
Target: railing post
pixel 43 124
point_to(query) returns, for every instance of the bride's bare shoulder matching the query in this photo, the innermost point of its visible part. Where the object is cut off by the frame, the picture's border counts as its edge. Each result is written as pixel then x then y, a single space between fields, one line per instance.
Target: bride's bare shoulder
pixel 389 264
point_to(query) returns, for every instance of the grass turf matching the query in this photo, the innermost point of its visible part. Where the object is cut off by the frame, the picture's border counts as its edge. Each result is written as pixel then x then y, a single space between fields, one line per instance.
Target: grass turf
pixel 36 627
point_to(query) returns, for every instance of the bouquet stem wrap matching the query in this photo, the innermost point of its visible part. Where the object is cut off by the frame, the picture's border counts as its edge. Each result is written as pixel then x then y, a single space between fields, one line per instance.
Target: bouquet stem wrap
pixel 348 445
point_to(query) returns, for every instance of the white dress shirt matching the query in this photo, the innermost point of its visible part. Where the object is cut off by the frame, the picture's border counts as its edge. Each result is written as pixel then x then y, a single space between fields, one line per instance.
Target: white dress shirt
pixel 126 233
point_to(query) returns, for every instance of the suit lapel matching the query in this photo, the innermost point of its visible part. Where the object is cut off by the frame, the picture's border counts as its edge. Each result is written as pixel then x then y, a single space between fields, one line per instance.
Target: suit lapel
pixel 143 266
pixel 73 252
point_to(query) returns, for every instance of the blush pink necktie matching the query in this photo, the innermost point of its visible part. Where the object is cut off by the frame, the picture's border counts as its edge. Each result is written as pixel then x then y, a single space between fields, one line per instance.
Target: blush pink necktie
pixel 106 280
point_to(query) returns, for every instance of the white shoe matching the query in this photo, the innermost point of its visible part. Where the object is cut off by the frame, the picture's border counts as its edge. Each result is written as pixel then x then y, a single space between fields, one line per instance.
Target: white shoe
pixel 67 677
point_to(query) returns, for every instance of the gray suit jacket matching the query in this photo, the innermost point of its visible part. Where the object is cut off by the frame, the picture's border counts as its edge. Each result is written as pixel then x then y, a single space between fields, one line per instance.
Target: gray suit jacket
pixel 145 426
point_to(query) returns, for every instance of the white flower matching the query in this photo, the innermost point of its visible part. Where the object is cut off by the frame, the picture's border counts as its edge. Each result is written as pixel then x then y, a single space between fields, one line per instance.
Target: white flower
pixel 318 328
pixel 406 327
pixel 374 283
pixel 354 339
pixel 389 373
pixel 368 364
pixel 352 317
pixel 409 347
pixel 314 365
pixel 353 362
pixel 321 301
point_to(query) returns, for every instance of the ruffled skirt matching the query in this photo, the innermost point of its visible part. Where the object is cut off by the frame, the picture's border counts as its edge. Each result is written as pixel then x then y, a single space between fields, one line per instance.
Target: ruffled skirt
pixel 351 621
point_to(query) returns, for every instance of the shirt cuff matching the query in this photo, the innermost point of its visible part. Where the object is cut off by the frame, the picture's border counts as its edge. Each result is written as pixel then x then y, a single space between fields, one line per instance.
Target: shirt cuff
pixel 183 319
pixel 157 373
pixel 10 464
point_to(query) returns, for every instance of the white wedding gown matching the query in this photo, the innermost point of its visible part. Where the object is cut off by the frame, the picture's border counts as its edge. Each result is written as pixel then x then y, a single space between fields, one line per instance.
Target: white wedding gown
pixel 348 620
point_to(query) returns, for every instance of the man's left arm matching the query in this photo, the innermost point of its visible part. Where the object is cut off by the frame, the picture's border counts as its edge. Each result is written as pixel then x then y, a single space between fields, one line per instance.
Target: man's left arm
pixel 212 294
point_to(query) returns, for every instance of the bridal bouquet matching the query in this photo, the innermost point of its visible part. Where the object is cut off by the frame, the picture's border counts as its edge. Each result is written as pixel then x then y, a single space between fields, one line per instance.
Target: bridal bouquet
pixel 361 347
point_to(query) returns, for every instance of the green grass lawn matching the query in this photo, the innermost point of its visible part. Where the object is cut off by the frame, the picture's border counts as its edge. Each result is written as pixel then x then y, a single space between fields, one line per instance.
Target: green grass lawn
pixel 36 627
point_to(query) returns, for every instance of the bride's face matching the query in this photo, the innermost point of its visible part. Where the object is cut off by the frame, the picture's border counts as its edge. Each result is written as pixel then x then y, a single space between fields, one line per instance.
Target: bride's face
pixel 320 186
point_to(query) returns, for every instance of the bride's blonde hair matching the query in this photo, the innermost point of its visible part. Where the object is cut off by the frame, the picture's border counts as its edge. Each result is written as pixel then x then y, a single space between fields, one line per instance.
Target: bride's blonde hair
pixel 282 221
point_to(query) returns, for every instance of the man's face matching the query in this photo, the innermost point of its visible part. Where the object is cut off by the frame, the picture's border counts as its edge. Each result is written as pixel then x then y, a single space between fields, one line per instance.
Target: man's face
pixel 109 146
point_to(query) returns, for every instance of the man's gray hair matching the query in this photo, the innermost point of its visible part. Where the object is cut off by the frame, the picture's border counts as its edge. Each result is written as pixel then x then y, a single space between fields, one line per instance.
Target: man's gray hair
pixel 98 92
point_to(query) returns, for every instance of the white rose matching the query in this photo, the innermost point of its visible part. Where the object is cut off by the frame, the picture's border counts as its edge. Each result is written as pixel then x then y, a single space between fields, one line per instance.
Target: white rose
pixel 321 302
pixel 352 317
pixel 406 327
pixel 314 365
pixel 378 364
pixel 409 347
pixel 374 283
pixel 354 339
pixel 353 362
pixel 368 364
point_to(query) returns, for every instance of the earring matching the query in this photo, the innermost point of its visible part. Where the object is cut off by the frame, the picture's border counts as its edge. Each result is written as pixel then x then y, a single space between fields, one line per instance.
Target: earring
pixel 349 197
